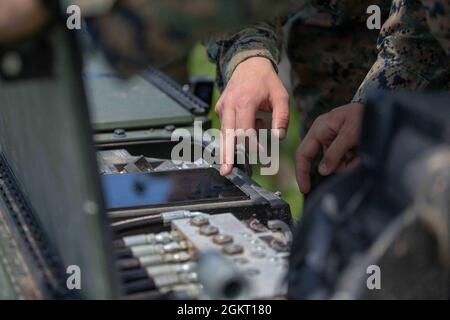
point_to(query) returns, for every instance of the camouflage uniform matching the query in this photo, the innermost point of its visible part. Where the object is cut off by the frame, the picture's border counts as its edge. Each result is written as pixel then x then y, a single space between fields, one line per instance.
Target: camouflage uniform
pixel 328 44
pixel 136 33
pixel 331 50
pixel 414 49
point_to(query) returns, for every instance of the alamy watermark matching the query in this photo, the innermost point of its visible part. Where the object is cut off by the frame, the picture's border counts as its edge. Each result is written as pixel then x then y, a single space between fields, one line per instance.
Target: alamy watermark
pixel 73 21
pixel 73 281
pixel 373 22
pixel 73 11
pixel 374 279
pixel 252 147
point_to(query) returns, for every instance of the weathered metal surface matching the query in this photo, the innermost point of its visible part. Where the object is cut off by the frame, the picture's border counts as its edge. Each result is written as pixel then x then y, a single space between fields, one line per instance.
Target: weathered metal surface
pixel 46 137
pixel 13 271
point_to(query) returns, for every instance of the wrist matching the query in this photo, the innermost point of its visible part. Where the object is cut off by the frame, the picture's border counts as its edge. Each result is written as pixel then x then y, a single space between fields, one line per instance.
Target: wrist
pixel 256 62
pixel 249 56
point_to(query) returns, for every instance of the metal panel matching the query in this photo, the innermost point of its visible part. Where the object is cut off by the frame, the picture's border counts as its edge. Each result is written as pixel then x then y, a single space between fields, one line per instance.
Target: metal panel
pixel 46 136
pixel 131 104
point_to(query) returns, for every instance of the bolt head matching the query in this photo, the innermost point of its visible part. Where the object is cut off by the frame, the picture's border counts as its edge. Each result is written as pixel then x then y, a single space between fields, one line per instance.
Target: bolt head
pixel 209 230
pixel 120 133
pixel 222 239
pixel 199 221
pixel 233 249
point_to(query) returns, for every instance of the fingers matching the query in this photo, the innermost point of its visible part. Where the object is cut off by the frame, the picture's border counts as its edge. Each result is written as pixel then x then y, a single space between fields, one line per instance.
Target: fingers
pixel 335 154
pixel 245 114
pixel 280 117
pixel 228 120
pixel 305 154
pixel 351 162
pixel 339 150
pixel 320 134
pixel 337 134
pixel 254 86
pixel 302 170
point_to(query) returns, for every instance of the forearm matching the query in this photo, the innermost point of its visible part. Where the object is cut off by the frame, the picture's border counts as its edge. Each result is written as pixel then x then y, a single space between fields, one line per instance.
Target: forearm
pixel 324 19
pixel 263 40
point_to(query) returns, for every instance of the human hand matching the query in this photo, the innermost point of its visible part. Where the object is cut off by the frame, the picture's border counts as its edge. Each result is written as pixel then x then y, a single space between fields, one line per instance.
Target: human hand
pixel 254 86
pixel 337 133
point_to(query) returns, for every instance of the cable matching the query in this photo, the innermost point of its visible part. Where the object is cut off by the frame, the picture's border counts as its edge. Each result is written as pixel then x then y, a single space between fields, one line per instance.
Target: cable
pixel 136 223
pixel 139 286
pixel 133 275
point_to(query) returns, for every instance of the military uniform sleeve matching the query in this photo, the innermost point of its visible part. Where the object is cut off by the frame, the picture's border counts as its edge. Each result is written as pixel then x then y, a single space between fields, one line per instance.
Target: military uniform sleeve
pixel 266 39
pixel 262 40
pixel 414 50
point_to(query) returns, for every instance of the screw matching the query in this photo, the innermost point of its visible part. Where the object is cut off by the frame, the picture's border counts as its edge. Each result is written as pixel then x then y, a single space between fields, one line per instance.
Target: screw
pixel 199 221
pixel 208 230
pixel 120 133
pixel 222 239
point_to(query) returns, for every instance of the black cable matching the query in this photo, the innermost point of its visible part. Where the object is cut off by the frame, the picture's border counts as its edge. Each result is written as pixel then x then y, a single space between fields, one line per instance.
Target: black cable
pixel 139 286
pixel 133 275
pixel 128 264
pixel 124 253
pixel 136 223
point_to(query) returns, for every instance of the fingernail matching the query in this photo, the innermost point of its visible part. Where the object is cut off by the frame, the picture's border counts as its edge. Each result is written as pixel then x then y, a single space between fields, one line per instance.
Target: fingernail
pixel 224 169
pixel 323 169
pixel 280 133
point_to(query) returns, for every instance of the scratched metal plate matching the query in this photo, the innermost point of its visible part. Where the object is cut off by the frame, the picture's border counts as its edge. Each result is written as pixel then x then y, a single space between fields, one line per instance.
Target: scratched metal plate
pixel 263 266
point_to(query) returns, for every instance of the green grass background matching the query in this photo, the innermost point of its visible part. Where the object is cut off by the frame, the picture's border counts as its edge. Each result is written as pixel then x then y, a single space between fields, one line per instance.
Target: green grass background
pixel 284 181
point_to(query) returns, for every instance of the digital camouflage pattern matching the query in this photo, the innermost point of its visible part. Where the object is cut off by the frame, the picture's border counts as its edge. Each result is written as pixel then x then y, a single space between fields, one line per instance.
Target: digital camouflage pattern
pixel 331 50
pixel 136 33
pixel 329 46
pixel 414 46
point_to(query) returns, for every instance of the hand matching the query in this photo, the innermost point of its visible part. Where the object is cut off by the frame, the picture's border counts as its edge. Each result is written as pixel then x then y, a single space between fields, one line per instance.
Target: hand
pixel 337 133
pixel 19 18
pixel 254 86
